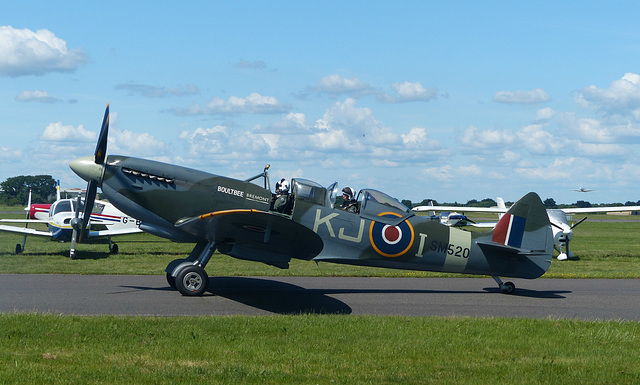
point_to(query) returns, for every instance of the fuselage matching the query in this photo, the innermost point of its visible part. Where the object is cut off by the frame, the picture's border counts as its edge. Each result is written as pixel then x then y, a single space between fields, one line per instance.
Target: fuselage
pixel 103 217
pixel 384 233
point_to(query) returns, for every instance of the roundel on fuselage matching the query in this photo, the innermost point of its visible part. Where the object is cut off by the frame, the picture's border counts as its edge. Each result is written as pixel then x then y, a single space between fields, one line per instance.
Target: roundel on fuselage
pixel 391 241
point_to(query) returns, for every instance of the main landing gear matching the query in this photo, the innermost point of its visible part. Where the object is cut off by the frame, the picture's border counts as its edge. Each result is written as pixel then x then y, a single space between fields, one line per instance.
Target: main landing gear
pixel 505 287
pixel 188 275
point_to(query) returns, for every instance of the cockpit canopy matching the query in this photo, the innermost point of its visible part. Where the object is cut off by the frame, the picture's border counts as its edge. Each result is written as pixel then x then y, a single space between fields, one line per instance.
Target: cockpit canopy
pixel 69 206
pixel 371 202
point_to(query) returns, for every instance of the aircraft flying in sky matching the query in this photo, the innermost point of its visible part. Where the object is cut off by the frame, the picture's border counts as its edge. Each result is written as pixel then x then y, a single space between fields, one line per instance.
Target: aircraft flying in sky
pixel 236 218
pixel 562 230
pixel 582 189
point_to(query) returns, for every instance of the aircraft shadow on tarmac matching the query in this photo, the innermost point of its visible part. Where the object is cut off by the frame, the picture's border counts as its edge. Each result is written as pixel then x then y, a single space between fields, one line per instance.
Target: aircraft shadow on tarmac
pixel 286 298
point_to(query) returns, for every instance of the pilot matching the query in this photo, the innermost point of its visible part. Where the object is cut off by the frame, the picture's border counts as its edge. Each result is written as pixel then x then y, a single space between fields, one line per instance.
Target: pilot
pixel 282 196
pixel 349 202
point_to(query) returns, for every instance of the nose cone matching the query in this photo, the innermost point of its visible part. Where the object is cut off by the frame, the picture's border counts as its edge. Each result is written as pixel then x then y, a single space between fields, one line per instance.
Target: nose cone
pixel 87 169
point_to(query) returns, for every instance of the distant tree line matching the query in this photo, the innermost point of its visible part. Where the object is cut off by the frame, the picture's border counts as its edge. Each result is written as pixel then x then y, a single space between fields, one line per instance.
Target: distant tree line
pixel 15 190
pixel 549 203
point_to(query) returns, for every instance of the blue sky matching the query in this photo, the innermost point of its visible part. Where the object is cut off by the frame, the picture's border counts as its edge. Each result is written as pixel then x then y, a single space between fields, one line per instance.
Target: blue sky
pixel 451 101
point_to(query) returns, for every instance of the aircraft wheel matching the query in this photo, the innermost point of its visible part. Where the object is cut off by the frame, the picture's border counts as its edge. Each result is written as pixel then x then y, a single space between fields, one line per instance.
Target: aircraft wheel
pixel 18 248
pixel 508 288
pixel 192 281
pixel 171 281
pixel 114 249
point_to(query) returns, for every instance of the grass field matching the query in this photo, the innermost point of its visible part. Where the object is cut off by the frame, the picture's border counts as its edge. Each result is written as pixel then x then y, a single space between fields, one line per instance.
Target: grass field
pixel 313 349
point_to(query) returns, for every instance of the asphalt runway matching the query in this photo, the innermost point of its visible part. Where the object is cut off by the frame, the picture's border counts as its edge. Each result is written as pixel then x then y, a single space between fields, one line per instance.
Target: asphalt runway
pixel 591 299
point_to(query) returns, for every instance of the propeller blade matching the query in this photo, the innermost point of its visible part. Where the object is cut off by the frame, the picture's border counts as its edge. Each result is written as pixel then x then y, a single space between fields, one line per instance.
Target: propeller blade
pixel 579 222
pixel 101 147
pixel 557 226
pixel 89 199
pixel 74 225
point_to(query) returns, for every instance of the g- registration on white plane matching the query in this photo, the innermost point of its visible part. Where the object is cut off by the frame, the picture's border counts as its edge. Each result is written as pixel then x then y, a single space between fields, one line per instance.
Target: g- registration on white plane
pixel 63 217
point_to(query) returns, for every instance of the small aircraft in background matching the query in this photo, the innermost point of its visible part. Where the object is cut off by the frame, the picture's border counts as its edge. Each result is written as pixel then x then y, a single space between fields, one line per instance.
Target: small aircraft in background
pixel 62 219
pixel 582 189
pixel 453 219
pixel 562 230
pixel 235 217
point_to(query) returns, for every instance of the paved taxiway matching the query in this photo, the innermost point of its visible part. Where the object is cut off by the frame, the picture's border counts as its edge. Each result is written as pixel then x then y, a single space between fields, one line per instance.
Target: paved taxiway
pixel 151 295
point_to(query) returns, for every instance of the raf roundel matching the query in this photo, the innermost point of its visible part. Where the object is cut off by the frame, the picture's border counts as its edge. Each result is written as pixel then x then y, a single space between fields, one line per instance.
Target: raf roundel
pixel 391 241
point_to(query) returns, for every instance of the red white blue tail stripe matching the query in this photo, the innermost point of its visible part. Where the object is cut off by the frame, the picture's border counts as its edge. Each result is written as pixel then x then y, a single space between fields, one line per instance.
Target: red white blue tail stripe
pixel 510 230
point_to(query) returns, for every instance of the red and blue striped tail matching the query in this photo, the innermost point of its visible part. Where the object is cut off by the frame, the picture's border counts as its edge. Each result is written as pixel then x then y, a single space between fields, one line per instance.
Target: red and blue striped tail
pixel 509 230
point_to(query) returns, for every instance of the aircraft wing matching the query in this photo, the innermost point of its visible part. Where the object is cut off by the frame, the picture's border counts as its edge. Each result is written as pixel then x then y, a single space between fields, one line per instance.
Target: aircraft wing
pixel 111 233
pixel 461 209
pixel 583 210
pixel 25 230
pixel 23 221
pixel 255 235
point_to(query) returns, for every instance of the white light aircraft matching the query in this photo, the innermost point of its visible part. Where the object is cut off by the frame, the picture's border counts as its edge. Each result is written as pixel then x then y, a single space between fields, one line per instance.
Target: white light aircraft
pixel 562 230
pixel 63 218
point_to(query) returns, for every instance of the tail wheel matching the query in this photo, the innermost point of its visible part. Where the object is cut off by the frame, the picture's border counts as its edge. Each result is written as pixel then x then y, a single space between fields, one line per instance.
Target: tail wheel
pixel 192 281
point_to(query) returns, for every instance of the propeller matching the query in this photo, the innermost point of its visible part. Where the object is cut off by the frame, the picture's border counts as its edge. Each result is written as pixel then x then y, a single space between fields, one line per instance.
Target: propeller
pixel 567 237
pixel 92 185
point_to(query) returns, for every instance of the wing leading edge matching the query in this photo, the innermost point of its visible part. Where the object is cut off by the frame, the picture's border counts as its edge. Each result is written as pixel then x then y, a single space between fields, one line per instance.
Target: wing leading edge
pixel 255 235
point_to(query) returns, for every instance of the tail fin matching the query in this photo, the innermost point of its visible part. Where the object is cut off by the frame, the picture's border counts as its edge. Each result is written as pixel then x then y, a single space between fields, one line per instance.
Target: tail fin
pixel 525 226
pixel 521 244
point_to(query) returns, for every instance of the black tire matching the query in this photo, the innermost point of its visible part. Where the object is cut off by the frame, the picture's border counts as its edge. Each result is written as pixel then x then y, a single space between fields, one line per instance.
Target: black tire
pixel 508 288
pixel 18 248
pixel 171 281
pixel 114 249
pixel 192 281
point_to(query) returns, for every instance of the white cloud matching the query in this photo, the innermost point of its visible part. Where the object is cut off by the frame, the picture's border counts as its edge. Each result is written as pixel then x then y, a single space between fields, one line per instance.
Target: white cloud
pixel 486 139
pixel 336 85
pixel 24 52
pixel 218 143
pixel 10 155
pixel 294 123
pixel 252 104
pixel 538 141
pixel 600 149
pixel 535 96
pixel 622 96
pixel 140 144
pixel 409 92
pixel 585 129
pixel 58 132
pixel 158 92
pixel 36 96
pixel 439 173
pixel 559 169
pixel 545 114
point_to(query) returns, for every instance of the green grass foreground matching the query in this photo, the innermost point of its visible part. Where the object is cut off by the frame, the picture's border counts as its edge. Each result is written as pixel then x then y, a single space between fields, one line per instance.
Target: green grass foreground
pixel 313 349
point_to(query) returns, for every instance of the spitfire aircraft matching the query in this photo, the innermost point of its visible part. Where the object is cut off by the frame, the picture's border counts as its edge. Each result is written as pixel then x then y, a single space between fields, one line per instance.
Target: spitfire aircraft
pixel 562 230
pixel 235 217
pixel 62 218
